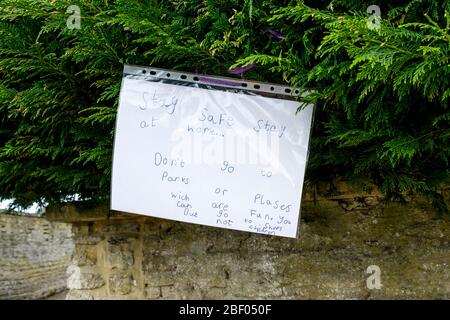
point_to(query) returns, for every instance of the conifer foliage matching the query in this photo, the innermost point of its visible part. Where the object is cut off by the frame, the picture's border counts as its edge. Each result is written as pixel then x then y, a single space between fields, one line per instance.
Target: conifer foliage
pixel 382 94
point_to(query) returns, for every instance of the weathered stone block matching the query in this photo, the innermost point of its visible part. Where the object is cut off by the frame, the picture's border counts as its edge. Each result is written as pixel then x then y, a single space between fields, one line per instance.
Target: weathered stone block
pixel 151 292
pixel 88 239
pixel 85 255
pixel 120 284
pixel 120 256
pixel 79 295
pixel 160 278
pixel 119 228
pixel 84 278
pixel 169 292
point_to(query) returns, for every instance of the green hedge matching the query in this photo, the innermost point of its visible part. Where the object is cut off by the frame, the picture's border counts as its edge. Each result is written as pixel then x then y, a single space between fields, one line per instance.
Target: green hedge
pixel 382 94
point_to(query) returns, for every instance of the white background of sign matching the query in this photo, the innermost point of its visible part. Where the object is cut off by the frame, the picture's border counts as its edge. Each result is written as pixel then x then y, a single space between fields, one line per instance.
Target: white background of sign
pixel 210 157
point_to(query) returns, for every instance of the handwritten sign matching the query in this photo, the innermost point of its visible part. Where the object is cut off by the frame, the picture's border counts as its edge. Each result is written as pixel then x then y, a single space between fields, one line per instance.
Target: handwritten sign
pixel 209 156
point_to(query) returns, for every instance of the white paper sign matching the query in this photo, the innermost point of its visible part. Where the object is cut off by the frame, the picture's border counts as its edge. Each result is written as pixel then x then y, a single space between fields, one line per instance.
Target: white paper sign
pixel 211 157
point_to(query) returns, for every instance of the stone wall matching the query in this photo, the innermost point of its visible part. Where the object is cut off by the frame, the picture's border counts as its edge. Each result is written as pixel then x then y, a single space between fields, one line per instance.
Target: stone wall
pixel 34 255
pixel 134 257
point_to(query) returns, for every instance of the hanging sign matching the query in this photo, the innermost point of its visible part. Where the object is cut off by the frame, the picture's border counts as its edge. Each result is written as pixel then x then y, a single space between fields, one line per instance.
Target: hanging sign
pixel 214 151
